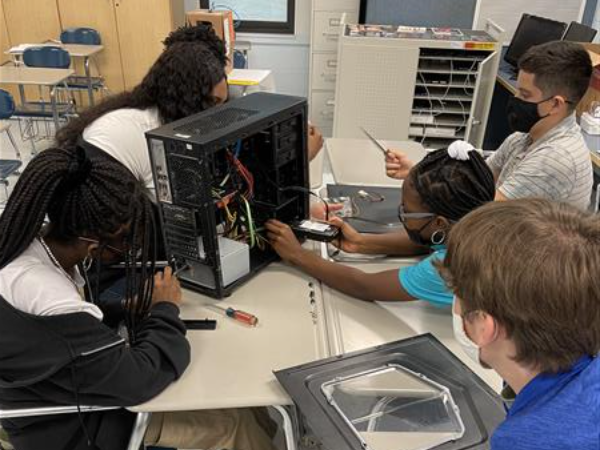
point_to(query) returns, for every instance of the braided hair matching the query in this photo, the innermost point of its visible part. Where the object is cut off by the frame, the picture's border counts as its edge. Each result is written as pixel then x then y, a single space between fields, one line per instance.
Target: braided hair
pixel 452 188
pixel 84 196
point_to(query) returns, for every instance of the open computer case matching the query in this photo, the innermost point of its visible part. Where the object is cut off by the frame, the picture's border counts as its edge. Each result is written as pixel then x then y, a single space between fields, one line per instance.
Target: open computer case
pixel 219 176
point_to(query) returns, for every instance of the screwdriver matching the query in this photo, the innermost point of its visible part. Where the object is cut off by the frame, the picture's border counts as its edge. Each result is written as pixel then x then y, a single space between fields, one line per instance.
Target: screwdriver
pixel 238 315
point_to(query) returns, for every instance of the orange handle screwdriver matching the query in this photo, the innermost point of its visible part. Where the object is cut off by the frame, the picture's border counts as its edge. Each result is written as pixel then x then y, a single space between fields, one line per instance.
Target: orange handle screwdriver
pixel 239 315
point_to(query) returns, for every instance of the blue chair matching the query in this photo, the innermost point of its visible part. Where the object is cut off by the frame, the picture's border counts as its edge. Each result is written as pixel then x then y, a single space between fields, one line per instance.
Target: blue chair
pixel 83 36
pixel 240 61
pixel 7 109
pixel 48 57
pixel 8 167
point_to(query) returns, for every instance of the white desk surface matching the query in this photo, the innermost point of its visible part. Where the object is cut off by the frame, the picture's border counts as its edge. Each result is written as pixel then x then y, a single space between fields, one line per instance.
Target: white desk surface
pixel 361 162
pixel 82 51
pixel 358 325
pixel 248 77
pixel 10 74
pixel 233 366
pixel 76 50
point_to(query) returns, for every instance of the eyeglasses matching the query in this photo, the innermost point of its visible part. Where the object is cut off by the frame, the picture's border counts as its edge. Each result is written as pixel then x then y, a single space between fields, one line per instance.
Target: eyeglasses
pixel 404 216
pixel 115 250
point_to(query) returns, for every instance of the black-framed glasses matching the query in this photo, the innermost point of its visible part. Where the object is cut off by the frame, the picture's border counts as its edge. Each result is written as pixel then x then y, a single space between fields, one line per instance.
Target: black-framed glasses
pixel 115 250
pixel 404 216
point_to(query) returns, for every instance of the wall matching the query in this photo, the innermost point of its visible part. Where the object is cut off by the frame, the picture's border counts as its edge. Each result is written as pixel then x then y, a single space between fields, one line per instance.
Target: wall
pixel 286 56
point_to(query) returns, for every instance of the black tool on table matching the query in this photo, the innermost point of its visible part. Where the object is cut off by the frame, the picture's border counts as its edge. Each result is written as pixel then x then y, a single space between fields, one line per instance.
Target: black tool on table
pixel 200 324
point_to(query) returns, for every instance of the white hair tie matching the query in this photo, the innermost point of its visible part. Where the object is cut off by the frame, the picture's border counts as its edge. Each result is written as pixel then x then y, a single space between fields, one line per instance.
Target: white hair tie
pixel 460 150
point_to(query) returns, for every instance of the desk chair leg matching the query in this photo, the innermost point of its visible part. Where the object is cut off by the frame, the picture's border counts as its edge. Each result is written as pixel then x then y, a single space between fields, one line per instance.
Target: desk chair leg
pixel 139 431
pixel 14 144
pixel 86 65
pixel 54 107
pixel 288 427
pixel 5 184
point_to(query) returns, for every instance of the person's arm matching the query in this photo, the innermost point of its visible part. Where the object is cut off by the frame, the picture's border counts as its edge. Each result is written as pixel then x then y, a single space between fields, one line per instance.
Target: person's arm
pixel 397 164
pixel 395 243
pixel 499 158
pixel 128 375
pixel 382 286
pixel 550 173
pixel 315 142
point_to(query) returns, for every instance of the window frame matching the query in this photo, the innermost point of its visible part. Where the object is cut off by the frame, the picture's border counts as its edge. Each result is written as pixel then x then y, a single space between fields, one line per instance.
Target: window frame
pixel 265 26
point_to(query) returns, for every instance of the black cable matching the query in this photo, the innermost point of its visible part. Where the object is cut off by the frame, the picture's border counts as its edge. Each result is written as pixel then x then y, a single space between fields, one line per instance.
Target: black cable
pixel 306 190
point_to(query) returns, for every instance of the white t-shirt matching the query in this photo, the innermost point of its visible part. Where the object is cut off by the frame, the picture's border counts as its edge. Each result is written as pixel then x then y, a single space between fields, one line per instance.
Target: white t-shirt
pixel 33 284
pixel 121 134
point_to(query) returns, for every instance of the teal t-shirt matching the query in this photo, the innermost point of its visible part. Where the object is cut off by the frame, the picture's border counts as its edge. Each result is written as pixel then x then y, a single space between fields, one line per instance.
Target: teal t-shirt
pixel 424 282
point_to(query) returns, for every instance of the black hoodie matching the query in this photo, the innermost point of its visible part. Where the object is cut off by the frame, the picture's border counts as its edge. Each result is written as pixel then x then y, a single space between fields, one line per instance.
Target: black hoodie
pixel 74 359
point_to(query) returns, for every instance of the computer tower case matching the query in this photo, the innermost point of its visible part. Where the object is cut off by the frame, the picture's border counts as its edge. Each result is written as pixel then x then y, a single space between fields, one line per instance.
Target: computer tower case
pixel 219 176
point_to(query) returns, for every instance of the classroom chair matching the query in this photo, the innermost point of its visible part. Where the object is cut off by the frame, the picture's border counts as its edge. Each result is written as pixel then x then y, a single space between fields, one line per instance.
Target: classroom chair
pixel 80 35
pixel 7 110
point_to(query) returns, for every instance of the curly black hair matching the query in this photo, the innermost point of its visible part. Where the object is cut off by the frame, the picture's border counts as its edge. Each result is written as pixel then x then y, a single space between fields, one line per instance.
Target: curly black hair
pixel 180 83
pixel 199 33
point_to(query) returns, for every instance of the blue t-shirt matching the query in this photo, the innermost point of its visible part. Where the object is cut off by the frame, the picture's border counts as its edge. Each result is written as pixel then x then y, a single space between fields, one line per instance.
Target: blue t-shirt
pixel 424 282
pixel 555 412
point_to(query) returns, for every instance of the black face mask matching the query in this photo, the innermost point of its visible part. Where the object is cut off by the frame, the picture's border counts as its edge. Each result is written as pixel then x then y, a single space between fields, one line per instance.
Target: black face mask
pixel 415 235
pixel 522 115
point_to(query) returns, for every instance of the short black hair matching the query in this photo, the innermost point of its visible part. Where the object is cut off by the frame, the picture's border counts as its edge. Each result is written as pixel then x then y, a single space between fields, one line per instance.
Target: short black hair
pixel 560 68
pixel 452 188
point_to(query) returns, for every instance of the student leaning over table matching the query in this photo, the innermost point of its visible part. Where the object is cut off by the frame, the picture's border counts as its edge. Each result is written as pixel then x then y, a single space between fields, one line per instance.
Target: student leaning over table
pixel 440 190
pixel 57 349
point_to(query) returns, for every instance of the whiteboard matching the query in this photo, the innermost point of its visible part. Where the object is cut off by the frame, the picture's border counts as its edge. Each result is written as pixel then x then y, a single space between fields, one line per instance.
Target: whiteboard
pixel 507 14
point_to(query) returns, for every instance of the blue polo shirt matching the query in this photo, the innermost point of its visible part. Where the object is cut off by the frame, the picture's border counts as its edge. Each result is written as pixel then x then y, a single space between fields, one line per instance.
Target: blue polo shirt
pixel 555 412
pixel 424 282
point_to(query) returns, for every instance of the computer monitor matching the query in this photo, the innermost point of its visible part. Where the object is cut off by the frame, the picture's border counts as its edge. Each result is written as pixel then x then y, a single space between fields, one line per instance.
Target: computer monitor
pixel 533 30
pixel 419 13
pixel 579 33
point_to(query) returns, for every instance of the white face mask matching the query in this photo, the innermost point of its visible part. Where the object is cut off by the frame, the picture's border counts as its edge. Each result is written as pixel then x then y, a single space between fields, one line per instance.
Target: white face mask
pixel 469 347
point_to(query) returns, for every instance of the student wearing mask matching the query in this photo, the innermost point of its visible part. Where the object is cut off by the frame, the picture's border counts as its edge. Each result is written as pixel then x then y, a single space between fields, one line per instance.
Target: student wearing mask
pixel 439 191
pixel 546 157
pixel 55 348
pixel 525 276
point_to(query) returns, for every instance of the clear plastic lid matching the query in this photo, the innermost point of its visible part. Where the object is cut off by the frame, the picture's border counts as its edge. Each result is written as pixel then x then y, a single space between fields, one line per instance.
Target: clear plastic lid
pixel 393 408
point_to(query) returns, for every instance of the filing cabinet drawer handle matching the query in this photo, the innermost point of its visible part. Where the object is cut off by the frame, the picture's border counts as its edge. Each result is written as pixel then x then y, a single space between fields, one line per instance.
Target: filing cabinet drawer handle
pixel 335 22
pixel 332 63
pixel 333 36
pixel 329 76
pixel 330 103
pixel 327 113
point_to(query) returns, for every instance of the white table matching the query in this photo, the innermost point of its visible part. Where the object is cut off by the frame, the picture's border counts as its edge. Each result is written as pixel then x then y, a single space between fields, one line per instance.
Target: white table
pixel 248 81
pixel 361 162
pixel 23 76
pixel 233 366
pixel 86 52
